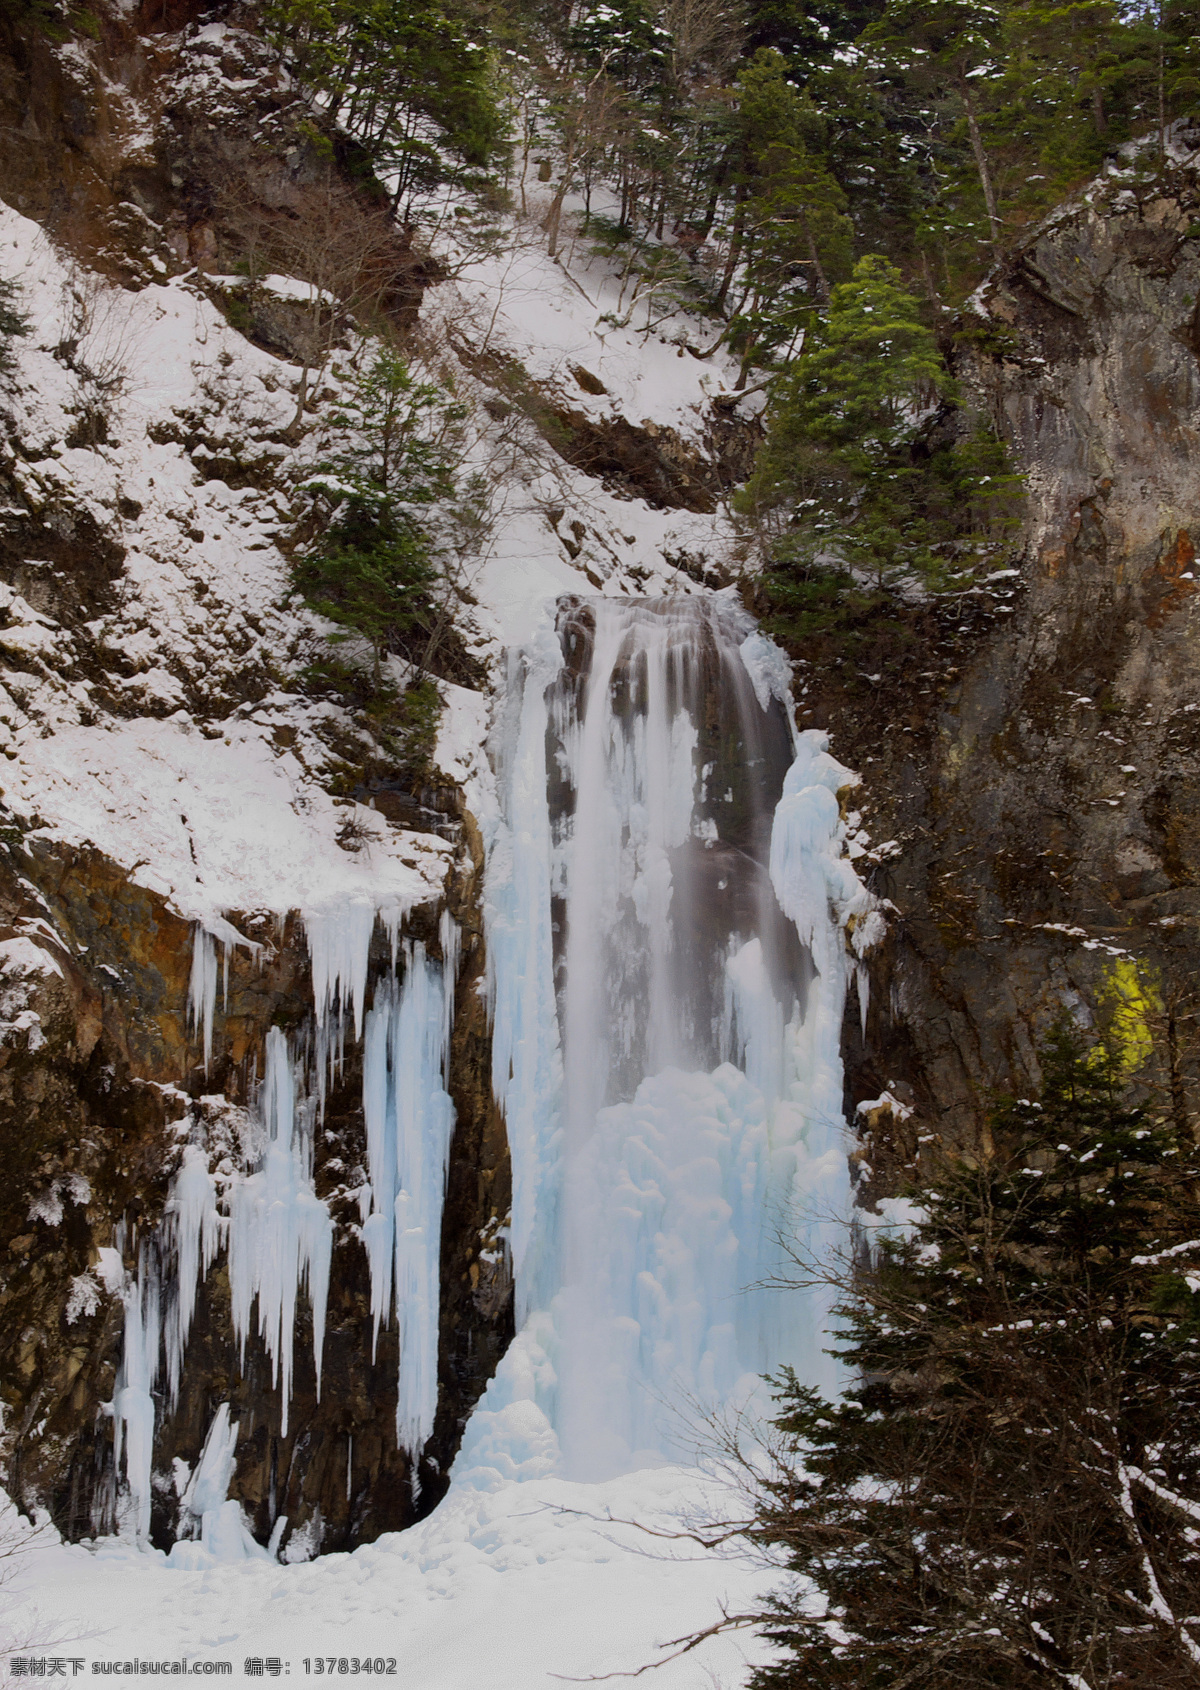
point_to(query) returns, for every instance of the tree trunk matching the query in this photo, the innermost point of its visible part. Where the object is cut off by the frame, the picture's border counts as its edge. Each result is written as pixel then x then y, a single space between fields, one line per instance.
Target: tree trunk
pixel 714 198
pixel 554 215
pixel 735 245
pixel 818 270
pixel 740 384
pixel 297 422
pixel 981 163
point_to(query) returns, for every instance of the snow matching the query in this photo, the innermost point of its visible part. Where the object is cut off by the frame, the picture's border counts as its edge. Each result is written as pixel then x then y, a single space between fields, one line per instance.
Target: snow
pixel 523 1584
pixel 555 315
pixel 215 818
pixel 21 959
pixel 215 825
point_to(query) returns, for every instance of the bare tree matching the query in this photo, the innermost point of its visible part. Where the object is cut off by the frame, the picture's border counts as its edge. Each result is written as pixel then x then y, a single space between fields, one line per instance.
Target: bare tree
pixel 347 251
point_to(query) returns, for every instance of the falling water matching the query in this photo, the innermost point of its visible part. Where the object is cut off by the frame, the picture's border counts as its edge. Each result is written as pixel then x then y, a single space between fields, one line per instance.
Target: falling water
pixel 666 909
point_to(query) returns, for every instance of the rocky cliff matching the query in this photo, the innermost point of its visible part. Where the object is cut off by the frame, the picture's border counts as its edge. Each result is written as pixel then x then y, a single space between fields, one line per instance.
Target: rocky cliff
pixel 1031 765
pixel 125 490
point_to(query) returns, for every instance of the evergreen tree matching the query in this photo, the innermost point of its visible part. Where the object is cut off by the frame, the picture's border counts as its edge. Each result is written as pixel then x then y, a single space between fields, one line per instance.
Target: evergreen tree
pixel 382 65
pixel 945 52
pixel 795 229
pixel 1010 1494
pixel 851 471
pixel 373 569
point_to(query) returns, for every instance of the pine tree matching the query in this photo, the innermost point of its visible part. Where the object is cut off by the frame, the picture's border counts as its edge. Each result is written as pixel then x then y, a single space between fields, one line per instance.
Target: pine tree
pixel 373 569
pixel 796 234
pixel 381 66
pixel 1010 1494
pixel 849 472
pixel 946 51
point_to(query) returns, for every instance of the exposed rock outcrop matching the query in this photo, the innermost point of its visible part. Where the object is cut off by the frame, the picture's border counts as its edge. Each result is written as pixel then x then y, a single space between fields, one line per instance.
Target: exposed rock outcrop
pixel 1036 778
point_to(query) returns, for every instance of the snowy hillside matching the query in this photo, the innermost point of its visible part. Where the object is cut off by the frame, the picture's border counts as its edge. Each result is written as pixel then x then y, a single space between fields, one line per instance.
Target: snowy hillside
pixel 176 698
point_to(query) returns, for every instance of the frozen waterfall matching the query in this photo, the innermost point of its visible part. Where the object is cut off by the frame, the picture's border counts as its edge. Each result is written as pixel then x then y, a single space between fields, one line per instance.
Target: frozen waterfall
pixel 266 1217
pixel 666 901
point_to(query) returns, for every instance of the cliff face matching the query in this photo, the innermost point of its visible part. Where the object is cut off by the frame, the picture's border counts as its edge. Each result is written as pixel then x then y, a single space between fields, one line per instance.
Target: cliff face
pixel 100 1091
pixel 1038 783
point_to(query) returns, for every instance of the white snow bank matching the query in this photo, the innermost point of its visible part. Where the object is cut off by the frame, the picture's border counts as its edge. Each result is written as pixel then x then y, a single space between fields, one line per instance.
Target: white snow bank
pixel 218 824
pixel 516 1585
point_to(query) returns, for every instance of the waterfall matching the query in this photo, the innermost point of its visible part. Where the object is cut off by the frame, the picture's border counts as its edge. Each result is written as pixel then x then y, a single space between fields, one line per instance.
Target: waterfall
pixel 666 904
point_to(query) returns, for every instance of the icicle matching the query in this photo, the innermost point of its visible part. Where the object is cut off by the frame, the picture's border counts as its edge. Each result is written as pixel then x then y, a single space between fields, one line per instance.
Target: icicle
pixel 202 989
pixel 193 1230
pixel 133 1402
pixel 339 946
pixel 756 1020
pixel 409 1120
pixel 209 1485
pixel 378 1229
pixel 202 984
pixel 450 937
pixel 280 1233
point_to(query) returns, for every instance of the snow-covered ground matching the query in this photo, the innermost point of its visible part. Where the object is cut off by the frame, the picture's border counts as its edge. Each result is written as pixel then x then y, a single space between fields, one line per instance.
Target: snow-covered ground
pixel 517 1588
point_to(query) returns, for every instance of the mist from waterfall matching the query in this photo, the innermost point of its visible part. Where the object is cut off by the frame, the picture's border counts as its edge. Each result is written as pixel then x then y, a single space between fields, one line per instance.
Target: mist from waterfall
pixel 666 901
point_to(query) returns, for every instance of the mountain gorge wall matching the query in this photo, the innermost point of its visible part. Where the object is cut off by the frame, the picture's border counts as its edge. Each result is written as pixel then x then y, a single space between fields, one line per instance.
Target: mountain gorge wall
pixel 1039 778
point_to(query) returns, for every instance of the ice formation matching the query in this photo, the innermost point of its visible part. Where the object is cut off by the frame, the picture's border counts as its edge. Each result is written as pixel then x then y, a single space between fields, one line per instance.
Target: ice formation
pixel 202 983
pixel 133 1402
pixel 276 1232
pixel 212 1528
pixel 666 903
pixel 280 1232
pixel 409 1120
